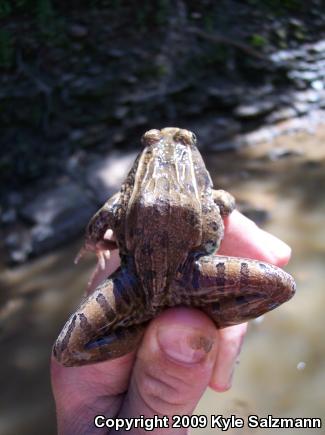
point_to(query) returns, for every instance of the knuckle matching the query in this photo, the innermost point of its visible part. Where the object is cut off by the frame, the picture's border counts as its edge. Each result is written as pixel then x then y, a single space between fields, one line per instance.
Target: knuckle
pixel 162 392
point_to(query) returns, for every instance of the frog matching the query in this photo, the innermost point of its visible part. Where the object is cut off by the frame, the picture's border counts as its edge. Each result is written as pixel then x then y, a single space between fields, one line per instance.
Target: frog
pixel 168 224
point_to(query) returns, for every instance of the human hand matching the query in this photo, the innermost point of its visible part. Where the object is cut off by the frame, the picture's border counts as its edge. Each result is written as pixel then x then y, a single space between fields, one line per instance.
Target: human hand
pixel 181 354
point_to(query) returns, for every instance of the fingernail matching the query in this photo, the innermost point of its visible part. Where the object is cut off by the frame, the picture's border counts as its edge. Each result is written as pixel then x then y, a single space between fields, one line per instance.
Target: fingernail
pixel 184 345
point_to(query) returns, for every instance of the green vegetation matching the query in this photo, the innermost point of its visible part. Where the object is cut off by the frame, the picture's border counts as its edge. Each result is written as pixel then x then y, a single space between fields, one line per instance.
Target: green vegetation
pixel 40 10
pixel 280 6
pixel 6 49
pixel 44 12
pixel 9 8
pixel 5 9
pixel 257 40
pixel 151 14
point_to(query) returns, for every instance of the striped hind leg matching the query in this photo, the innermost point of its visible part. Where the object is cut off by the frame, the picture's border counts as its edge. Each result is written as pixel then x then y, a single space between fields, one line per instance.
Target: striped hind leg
pixel 233 290
pixel 107 324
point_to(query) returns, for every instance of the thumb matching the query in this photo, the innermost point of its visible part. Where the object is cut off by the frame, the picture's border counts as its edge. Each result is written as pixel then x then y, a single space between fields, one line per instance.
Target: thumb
pixel 174 365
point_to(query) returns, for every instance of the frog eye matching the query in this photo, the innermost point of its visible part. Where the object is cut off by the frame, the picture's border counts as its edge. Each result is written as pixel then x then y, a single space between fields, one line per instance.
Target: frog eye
pixel 151 137
pixel 186 137
pixel 194 140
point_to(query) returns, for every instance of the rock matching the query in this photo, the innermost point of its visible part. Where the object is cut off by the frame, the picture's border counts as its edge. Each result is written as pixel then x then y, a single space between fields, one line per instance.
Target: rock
pixel 131 79
pixel 284 56
pixel 254 109
pixel 119 136
pixel 263 134
pixel 85 86
pixel 77 47
pixel 18 244
pixel 121 112
pixel 301 108
pixel 309 96
pixel 280 153
pixel 318 85
pixel 226 95
pixel 95 134
pixel 232 144
pixel 281 114
pixel 322 102
pixel 106 175
pixel 115 53
pixel 78 31
pixel 307 76
pixel 319 47
pixel 76 135
pixel 296 23
pixel 89 136
pixel 311 164
pixel 67 77
pixel 46 237
pixel 307 66
pixel 15 199
pixel 8 216
pixel 75 163
pixel 213 131
pixel 95 70
pixel 52 207
pixel 56 216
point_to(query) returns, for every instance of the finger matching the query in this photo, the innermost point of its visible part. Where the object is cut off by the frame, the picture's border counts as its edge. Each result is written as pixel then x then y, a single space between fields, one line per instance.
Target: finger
pixel 81 393
pixel 229 346
pixel 243 238
pixel 173 366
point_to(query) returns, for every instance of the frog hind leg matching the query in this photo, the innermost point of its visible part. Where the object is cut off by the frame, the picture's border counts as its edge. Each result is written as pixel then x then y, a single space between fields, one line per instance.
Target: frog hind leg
pixel 232 290
pixel 108 324
pixel 224 200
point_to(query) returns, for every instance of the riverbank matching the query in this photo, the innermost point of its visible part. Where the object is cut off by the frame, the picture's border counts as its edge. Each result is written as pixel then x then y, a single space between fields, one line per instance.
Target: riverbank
pixel 80 85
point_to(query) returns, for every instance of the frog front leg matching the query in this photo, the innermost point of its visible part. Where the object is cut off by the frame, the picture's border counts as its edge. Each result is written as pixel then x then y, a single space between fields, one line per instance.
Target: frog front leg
pixel 224 200
pixel 232 290
pixel 107 325
pixel 217 206
pixel 98 236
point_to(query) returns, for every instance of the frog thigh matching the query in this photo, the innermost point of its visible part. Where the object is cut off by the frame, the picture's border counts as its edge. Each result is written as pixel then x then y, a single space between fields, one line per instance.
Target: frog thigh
pixel 233 290
pixel 224 200
pixel 107 325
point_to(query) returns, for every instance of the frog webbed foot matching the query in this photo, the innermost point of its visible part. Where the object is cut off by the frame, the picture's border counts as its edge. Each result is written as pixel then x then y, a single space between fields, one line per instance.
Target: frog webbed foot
pixel 102 249
pixel 224 200
pixel 103 258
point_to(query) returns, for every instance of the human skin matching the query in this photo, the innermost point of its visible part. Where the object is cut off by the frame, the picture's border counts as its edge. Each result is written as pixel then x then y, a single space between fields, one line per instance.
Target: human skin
pixel 181 354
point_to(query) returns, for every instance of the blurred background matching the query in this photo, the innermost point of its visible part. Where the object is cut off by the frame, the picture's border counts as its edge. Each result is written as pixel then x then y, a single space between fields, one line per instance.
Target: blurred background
pixel 80 82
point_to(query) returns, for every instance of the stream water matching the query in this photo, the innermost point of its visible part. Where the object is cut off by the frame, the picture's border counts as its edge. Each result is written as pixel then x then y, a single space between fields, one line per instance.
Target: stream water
pixel 281 370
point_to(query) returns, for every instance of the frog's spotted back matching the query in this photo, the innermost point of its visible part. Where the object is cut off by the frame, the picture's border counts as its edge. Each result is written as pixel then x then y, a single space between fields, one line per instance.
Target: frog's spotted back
pixel 167 222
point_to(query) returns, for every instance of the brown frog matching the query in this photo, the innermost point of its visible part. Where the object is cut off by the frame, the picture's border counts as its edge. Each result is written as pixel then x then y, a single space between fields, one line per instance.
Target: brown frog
pixel 167 222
